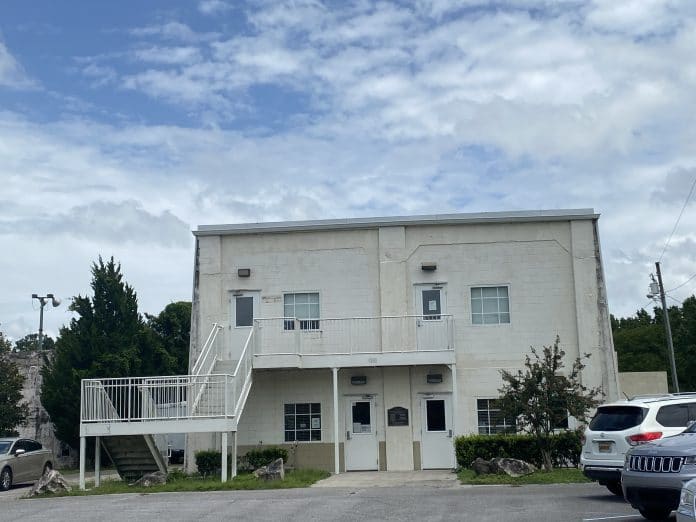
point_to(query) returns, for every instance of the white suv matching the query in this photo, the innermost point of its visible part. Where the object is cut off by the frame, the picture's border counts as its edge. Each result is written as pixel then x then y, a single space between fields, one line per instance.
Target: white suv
pixel 618 426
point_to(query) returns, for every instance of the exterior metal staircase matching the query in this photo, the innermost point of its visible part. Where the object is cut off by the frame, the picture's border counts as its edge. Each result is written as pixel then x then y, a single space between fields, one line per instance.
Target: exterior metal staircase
pixel 134 455
pixel 126 412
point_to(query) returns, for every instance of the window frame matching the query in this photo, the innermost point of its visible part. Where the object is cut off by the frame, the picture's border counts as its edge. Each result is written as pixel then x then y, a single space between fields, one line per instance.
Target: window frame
pixel 312 324
pixel 510 428
pixel 311 414
pixel 507 286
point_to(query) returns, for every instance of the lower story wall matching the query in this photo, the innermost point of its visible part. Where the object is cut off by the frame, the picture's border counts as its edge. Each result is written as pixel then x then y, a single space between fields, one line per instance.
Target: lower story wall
pixel 389 418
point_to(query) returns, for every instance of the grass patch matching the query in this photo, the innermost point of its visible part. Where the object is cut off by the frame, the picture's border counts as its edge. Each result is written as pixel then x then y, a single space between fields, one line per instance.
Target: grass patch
pixel 557 476
pixel 293 479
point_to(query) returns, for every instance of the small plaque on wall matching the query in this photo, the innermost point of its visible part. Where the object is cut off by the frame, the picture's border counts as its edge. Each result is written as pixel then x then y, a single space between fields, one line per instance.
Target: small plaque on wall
pixel 397 416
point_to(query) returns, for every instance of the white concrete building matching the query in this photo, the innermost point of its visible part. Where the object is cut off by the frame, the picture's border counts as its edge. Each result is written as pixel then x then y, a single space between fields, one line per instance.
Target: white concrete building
pixel 373 342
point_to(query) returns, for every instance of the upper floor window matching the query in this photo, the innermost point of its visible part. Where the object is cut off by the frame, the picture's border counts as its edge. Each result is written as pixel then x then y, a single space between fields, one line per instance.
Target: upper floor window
pixel 304 307
pixel 490 305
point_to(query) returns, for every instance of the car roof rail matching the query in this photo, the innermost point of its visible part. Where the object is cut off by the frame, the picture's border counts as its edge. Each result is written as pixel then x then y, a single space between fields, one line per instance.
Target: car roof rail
pixel 663 396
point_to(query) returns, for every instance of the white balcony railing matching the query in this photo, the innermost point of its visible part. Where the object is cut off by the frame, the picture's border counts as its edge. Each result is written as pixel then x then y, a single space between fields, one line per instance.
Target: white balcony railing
pixel 130 399
pixel 355 335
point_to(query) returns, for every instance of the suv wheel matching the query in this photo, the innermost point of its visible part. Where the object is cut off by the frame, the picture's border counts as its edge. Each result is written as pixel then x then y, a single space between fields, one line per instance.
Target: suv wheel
pixel 655 513
pixel 615 488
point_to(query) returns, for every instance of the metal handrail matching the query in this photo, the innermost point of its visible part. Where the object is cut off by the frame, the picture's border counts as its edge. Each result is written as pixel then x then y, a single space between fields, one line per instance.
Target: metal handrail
pixel 415 316
pixel 207 347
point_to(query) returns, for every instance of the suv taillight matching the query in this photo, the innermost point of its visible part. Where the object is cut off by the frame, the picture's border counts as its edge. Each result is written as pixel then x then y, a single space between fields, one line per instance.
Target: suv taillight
pixel 642 438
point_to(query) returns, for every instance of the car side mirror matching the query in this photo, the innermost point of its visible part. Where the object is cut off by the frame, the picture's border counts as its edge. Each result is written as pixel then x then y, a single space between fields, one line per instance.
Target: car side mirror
pixel 19 452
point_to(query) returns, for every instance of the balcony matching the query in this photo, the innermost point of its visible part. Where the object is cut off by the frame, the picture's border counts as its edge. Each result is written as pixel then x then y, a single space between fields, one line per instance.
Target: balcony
pixel 356 341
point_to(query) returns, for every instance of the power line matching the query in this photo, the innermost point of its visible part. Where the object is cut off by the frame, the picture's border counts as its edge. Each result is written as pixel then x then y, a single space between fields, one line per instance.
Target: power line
pixel 678 219
pixel 677 287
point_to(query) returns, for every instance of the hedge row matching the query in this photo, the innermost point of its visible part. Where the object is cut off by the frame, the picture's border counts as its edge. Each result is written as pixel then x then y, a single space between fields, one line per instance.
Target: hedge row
pixel 208 462
pixel 565 448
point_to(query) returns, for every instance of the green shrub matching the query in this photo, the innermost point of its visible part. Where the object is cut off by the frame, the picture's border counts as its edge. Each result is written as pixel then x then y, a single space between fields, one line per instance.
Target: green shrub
pixel 264 456
pixel 565 448
pixel 209 462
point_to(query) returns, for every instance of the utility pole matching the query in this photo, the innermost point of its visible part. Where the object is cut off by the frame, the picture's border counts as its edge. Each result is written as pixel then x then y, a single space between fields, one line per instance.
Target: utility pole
pixel 43 300
pixel 668 328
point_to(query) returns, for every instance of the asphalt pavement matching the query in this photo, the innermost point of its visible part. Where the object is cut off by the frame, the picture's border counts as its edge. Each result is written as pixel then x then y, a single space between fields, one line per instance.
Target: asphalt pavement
pixel 409 502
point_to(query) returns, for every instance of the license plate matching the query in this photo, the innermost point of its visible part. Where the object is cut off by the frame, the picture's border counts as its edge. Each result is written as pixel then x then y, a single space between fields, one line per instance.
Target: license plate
pixel 604 447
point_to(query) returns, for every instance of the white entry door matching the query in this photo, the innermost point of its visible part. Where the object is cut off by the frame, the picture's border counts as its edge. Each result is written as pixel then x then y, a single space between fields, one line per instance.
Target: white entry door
pixel 361 446
pixel 431 305
pixel 437 444
pixel 244 308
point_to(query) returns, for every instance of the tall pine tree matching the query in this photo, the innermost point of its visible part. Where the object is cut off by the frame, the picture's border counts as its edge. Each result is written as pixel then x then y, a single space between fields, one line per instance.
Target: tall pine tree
pixel 108 339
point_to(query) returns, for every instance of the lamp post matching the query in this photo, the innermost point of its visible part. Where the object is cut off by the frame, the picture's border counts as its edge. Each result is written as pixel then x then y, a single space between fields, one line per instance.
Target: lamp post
pixel 43 299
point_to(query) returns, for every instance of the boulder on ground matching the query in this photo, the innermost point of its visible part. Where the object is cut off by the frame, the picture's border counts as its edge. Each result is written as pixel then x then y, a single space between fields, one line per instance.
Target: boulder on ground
pixel 511 467
pixel 50 482
pixel 273 471
pixel 481 466
pixel 151 479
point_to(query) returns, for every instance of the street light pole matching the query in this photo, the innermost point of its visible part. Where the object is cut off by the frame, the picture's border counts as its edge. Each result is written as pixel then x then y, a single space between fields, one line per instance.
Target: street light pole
pixel 668 328
pixel 43 300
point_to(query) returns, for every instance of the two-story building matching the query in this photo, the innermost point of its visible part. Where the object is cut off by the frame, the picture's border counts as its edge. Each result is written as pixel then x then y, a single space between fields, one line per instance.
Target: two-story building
pixel 368 344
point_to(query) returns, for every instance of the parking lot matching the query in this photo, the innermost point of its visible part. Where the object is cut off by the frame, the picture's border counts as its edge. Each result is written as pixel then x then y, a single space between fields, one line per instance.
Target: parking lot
pixel 426 501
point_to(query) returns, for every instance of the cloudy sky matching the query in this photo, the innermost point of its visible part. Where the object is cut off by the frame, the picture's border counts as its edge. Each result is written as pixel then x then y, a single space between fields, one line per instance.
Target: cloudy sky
pixel 124 125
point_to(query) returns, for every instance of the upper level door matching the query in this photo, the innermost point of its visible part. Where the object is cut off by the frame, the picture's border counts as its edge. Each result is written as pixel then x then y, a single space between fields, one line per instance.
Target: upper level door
pixel 431 305
pixel 244 308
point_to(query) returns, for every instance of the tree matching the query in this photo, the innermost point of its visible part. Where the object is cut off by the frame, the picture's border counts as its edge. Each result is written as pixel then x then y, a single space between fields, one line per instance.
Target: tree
pixel 5 344
pixel 13 413
pixel 540 398
pixel 108 339
pixel 640 342
pixel 30 343
pixel 172 327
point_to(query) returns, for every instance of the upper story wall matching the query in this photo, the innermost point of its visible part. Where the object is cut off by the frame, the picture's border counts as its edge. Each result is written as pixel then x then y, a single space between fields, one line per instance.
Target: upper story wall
pixel 551 269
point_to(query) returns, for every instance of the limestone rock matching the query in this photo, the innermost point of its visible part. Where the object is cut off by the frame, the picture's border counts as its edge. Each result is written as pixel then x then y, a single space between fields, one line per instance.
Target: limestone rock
pixel 151 479
pixel 511 467
pixel 481 466
pixel 274 471
pixel 50 482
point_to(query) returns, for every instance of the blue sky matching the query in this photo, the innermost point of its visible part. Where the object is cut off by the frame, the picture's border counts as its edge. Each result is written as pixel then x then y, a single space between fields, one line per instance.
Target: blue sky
pixel 124 125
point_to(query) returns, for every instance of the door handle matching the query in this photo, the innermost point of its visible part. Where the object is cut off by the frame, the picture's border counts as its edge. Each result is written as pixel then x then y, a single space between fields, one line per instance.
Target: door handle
pixel 348 435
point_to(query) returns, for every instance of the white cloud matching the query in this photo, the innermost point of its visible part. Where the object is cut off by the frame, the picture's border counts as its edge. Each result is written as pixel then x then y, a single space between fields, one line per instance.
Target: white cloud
pixel 12 74
pixel 211 7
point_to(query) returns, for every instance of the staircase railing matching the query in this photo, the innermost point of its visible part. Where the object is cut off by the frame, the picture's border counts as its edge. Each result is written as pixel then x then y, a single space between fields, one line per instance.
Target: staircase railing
pixel 130 399
pixel 209 354
pixel 241 378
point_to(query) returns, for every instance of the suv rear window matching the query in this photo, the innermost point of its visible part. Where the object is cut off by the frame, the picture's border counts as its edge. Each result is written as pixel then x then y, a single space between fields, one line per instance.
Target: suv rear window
pixel 617 418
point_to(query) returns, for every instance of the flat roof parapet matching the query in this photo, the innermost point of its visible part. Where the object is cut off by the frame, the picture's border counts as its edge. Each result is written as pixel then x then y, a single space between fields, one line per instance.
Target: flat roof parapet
pixel 521 216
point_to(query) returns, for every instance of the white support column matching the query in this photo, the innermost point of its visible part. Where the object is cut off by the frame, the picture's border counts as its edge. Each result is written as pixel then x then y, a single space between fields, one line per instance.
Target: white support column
pixel 335 408
pixel 455 404
pixel 234 454
pixel 97 462
pixel 224 456
pixel 83 456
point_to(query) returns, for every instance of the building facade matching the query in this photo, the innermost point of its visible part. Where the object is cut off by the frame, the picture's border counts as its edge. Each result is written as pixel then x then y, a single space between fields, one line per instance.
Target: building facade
pixel 372 343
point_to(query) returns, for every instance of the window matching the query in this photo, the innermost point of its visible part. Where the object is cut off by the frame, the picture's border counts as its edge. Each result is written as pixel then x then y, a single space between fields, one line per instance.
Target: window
pixel 244 310
pixel 303 307
pixel 302 422
pixel 674 415
pixel 617 418
pixel 490 305
pixel 490 420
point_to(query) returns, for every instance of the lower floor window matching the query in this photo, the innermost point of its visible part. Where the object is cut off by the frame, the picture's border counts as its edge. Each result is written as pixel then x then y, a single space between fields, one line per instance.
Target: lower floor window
pixel 302 421
pixel 491 420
